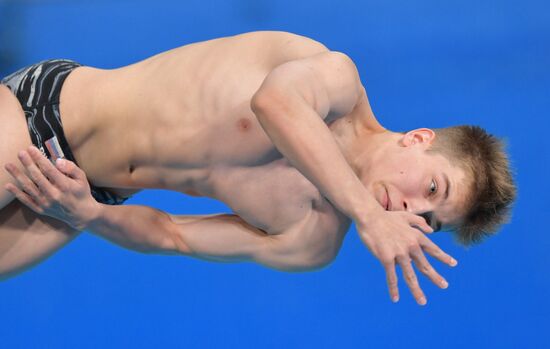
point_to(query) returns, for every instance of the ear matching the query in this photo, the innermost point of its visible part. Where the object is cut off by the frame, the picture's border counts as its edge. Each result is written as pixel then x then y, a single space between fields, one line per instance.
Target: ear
pixel 420 136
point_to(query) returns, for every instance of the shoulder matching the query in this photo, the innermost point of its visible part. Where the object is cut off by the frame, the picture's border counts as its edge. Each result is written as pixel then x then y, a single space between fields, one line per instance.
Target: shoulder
pixel 294 44
pixel 329 81
pixel 275 48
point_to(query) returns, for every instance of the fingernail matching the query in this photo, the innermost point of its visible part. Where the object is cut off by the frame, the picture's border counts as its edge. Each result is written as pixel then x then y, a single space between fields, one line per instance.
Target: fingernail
pixel 444 284
pixel 60 162
pixel 395 299
pixel 422 301
pixel 454 262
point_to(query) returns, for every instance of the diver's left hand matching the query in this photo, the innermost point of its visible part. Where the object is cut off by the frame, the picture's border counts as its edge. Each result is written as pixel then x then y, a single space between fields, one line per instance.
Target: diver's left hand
pixel 60 191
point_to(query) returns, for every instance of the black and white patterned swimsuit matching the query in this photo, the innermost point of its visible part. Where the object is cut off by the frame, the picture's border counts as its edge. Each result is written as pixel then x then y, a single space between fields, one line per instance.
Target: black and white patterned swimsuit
pixel 38 88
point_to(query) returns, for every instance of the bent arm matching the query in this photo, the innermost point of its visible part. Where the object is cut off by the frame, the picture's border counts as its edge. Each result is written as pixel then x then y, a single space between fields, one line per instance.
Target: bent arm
pixel 219 237
pixel 291 105
pixel 66 196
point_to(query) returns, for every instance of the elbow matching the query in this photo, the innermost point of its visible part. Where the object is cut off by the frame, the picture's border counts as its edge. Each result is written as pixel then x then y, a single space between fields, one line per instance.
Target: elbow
pixel 317 261
pixel 167 239
pixel 262 102
pixel 310 261
pixel 9 271
pixel 270 101
pixel 4 276
pixel 175 242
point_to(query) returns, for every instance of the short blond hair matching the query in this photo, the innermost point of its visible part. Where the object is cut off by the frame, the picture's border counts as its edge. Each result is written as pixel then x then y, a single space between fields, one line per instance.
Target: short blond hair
pixel 491 186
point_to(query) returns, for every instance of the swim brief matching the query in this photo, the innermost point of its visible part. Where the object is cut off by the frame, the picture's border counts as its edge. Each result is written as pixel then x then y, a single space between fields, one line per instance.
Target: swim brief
pixel 38 88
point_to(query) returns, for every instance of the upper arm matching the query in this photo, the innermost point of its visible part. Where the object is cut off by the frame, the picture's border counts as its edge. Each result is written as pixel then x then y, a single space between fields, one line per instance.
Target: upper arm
pixel 228 238
pixel 221 237
pixel 328 82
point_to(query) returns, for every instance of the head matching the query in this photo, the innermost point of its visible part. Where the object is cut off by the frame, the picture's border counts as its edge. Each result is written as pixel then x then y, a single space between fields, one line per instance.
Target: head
pixel 458 178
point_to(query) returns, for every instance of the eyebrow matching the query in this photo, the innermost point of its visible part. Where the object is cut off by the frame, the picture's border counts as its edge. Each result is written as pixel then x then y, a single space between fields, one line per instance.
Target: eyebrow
pixel 437 225
pixel 447 185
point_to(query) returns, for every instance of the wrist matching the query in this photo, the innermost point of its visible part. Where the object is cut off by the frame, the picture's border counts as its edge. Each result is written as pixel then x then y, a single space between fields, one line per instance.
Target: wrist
pixel 364 211
pixel 94 214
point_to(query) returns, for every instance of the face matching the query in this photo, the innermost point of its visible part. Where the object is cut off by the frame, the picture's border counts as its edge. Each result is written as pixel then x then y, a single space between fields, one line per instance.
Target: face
pixel 404 176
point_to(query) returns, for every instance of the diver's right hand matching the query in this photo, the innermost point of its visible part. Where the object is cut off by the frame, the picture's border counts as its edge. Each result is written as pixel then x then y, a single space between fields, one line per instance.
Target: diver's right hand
pixel 61 191
pixel 396 237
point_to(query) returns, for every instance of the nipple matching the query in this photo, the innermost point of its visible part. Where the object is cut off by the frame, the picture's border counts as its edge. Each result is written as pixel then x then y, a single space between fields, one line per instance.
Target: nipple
pixel 244 124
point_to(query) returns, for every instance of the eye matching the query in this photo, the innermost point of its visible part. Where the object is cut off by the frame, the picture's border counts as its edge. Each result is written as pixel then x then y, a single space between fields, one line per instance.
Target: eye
pixel 433 187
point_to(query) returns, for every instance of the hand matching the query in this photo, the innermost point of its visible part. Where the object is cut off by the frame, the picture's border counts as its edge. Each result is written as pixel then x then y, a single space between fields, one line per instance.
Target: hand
pixel 60 191
pixel 394 237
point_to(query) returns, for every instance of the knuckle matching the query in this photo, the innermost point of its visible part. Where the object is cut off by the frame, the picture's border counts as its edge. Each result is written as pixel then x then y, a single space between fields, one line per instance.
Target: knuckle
pixel 412 245
pixel 416 251
pixel 46 192
pixel 27 188
pixel 55 196
pixel 386 260
pixel 423 240
pixel 401 255
pixel 426 269
pixel 49 172
pixel 411 278
pixel 43 201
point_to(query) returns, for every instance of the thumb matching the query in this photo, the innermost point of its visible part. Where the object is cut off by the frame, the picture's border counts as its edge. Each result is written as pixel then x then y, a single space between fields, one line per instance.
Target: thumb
pixel 421 223
pixel 69 168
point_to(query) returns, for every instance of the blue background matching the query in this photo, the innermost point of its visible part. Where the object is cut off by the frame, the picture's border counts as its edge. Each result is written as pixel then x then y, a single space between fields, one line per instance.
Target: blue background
pixel 424 63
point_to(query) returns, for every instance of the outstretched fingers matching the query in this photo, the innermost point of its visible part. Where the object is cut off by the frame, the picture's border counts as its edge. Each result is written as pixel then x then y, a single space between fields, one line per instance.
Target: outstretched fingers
pixel 426 268
pixel 436 252
pixel 412 280
pixel 391 278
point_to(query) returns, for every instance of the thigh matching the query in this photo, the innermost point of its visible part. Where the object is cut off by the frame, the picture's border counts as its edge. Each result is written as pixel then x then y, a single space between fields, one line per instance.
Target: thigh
pixel 27 238
pixel 14 136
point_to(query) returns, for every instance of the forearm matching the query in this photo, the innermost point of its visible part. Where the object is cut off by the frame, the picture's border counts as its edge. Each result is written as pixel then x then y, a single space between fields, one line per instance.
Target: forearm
pixel 219 237
pixel 139 228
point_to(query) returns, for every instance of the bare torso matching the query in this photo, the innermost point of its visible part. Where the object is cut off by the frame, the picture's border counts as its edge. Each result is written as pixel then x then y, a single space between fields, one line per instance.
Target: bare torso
pixel 182 120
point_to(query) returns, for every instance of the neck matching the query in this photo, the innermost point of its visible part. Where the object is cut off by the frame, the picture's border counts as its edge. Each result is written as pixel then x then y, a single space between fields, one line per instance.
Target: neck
pixel 360 144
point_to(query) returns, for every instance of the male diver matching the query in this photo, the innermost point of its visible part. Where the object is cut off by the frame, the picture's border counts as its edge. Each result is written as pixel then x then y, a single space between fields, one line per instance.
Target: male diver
pixel 273 124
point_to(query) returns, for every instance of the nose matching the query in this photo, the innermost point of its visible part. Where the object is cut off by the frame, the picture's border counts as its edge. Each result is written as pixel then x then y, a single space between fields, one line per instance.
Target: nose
pixel 416 205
